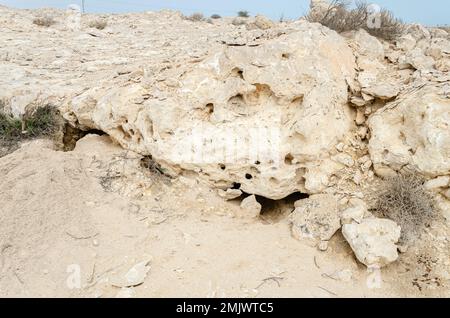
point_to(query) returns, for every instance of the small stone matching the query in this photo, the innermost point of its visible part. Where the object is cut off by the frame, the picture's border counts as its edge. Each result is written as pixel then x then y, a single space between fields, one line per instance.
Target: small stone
pixel 340 147
pixel 362 132
pixel 323 246
pixel 344 159
pixel 135 276
pixel 358 178
pixel 360 117
pixel 251 206
pixel 230 194
pixel 345 275
pixel 439 182
pixel 358 101
pixel 355 212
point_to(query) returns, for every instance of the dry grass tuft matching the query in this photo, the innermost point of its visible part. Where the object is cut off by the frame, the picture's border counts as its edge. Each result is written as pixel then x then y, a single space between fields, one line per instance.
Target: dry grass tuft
pixel 404 200
pixel 341 18
pixel 243 14
pixel 44 21
pixel 43 122
pixel 196 17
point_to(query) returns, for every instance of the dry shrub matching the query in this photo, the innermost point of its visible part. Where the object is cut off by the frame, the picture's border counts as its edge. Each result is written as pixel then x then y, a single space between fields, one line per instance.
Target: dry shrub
pixel 341 18
pixel 216 16
pixel 196 17
pixel 404 200
pixel 98 24
pixel 243 14
pixel 44 21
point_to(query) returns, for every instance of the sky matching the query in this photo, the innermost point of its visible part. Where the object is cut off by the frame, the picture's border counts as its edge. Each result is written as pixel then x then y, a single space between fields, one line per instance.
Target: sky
pixel 431 12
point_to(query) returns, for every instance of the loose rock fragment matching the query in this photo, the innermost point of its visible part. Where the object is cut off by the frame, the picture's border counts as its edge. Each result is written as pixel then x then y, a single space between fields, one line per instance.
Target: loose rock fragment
pixel 315 218
pixel 373 241
pixel 251 206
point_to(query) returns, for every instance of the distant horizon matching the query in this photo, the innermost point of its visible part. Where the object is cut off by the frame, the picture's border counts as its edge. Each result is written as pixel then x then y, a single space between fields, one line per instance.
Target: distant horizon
pixel 410 11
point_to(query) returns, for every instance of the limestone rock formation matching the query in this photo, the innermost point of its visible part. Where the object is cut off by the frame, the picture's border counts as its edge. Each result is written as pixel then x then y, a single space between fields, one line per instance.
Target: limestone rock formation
pixel 265 117
pixel 413 132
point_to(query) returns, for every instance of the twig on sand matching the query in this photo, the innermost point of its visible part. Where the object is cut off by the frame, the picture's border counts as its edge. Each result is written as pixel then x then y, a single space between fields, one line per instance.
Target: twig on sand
pixel 315 263
pixel 273 278
pixel 18 277
pixel 334 294
pixel 81 237
pixel 328 276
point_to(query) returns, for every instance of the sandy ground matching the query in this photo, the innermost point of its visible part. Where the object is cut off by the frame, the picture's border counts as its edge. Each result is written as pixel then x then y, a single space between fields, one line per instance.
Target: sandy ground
pixel 73 224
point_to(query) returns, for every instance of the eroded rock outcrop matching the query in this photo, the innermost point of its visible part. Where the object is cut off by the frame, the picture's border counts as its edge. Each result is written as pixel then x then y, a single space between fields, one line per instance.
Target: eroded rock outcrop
pixel 289 94
pixel 413 132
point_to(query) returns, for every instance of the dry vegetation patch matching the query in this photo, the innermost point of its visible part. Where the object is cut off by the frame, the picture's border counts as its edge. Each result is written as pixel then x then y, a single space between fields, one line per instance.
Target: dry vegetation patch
pixel 341 18
pixel 43 122
pixel 44 21
pixel 404 200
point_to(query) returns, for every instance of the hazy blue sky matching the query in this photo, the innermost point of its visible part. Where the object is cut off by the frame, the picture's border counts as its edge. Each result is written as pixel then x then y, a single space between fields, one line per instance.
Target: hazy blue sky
pixel 431 12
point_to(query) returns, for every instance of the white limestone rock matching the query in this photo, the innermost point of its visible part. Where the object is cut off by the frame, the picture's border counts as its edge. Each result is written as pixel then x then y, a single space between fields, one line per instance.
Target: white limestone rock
pixel 289 95
pixel 373 241
pixel 355 212
pixel 414 132
pixel 251 207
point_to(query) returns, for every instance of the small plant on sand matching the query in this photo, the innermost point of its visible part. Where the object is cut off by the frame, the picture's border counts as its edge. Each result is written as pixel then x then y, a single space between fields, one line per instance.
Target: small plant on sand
pixel 43 122
pixel 44 21
pixel 341 18
pixel 215 16
pixel 243 14
pixel 404 200
pixel 99 24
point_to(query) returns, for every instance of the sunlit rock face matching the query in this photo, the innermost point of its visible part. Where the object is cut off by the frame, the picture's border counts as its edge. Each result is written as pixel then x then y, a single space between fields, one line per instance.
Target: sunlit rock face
pixel 265 116
pixel 413 133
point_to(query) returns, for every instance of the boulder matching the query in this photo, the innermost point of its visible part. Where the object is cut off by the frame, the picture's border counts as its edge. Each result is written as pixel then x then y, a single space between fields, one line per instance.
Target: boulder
pixel 369 45
pixel 373 241
pixel 418 60
pixel 315 218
